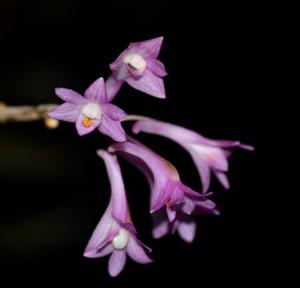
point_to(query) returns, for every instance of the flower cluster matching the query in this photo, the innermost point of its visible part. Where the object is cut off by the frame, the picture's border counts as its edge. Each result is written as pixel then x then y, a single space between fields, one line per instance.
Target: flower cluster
pixel 173 204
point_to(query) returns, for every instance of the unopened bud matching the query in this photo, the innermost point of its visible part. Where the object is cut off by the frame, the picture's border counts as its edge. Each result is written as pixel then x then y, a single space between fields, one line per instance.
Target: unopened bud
pixel 51 123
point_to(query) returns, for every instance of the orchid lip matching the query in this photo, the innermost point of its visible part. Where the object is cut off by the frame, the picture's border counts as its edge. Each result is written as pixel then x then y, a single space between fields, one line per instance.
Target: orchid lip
pixel 120 240
pixel 136 61
pixel 92 110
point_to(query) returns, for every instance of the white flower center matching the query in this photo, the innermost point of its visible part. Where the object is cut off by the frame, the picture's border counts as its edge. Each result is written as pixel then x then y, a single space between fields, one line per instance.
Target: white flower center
pixel 120 241
pixel 136 61
pixel 92 110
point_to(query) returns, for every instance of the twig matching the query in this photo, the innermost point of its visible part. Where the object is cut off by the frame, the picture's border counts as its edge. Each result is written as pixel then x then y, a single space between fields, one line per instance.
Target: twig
pixel 24 113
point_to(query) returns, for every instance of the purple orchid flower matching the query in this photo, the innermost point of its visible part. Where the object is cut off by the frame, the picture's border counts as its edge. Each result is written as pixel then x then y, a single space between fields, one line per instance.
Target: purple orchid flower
pixel 166 188
pixel 115 233
pixel 137 65
pixel 91 111
pixel 208 155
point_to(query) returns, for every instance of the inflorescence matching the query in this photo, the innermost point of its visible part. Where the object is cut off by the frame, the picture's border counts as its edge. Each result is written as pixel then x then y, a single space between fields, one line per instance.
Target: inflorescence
pixel 172 203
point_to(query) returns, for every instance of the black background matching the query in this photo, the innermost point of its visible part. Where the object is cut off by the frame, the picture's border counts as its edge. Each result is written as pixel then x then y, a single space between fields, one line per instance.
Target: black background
pixel 223 61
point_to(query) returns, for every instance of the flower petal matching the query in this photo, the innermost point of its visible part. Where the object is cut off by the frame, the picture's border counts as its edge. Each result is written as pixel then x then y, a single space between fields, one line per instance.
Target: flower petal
pixel 136 252
pixel 69 96
pixel 116 262
pixel 171 212
pixel 161 179
pixel 114 112
pixel 118 202
pixel 113 85
pixel 83 130
pixel 204 172
pixel 65 112
pixel 181 135
pixel 160 224
pixel 112 129
pixel 96 92
pixel 160 194
pixel 187 230
pixel 188 206
pixel 149 83
pixel 192 194
pixel 213 156
pixel 157 67
pixel 101 234
pixel 223 179
pixel 147 48
pixel 93 253
pixel 247 147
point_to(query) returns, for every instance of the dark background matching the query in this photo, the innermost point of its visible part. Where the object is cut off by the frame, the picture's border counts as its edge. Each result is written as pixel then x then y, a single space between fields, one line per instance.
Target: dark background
pixel 223 61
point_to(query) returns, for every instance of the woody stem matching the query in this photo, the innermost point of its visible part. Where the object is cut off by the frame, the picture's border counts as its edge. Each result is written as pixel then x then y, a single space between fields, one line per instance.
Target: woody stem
pixel 24 113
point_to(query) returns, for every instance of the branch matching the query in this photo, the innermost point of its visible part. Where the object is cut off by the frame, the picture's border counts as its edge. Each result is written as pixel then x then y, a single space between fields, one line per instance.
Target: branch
pixel 27 113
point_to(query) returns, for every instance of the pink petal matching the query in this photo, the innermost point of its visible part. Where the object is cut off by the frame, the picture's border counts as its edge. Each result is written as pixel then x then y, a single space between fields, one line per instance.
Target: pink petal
pixel 149 83
pixel 94 253
pixel 101 234
pixel 113 85
pixel 160 224
pixel 81 129
pixel 96 92
pixel 69 96
pixel 180 135
pixel 223 179
pixel 160 194
pixel 65 112
pixel 113 112
pixel 136 252
pixel 213 156
pixel 112 129
pixel 204 172
pixel 148 48
pixel 157 67
pixel 162 184
pixel 188 206
pixel 171 214
pixel 247 147
pixel 116 262
pixel 176 133
pixel 119 205
pixel 187 230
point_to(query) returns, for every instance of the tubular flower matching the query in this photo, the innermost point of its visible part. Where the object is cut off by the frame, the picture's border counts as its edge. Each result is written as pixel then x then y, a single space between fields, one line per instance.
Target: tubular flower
pixel 208 155
pixel 139 67
pixel 90 111
pixel 115 233
pixel 166 188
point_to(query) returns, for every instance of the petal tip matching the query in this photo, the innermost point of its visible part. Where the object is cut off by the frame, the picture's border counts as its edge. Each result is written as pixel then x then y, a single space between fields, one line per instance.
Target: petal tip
pixel 136 128
pixel 247 147
pixel 121 139
pixel 89 252
pixel 101 152
pixel 111 149
pixel 216 212
pixel 82 132
pixel 58 90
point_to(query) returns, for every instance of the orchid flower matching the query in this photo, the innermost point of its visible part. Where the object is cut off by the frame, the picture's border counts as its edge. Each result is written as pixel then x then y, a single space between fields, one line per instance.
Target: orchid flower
pixel 208 155
pixel 139 67
pixel 91 111
pixel 167 189
pixel 115 233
